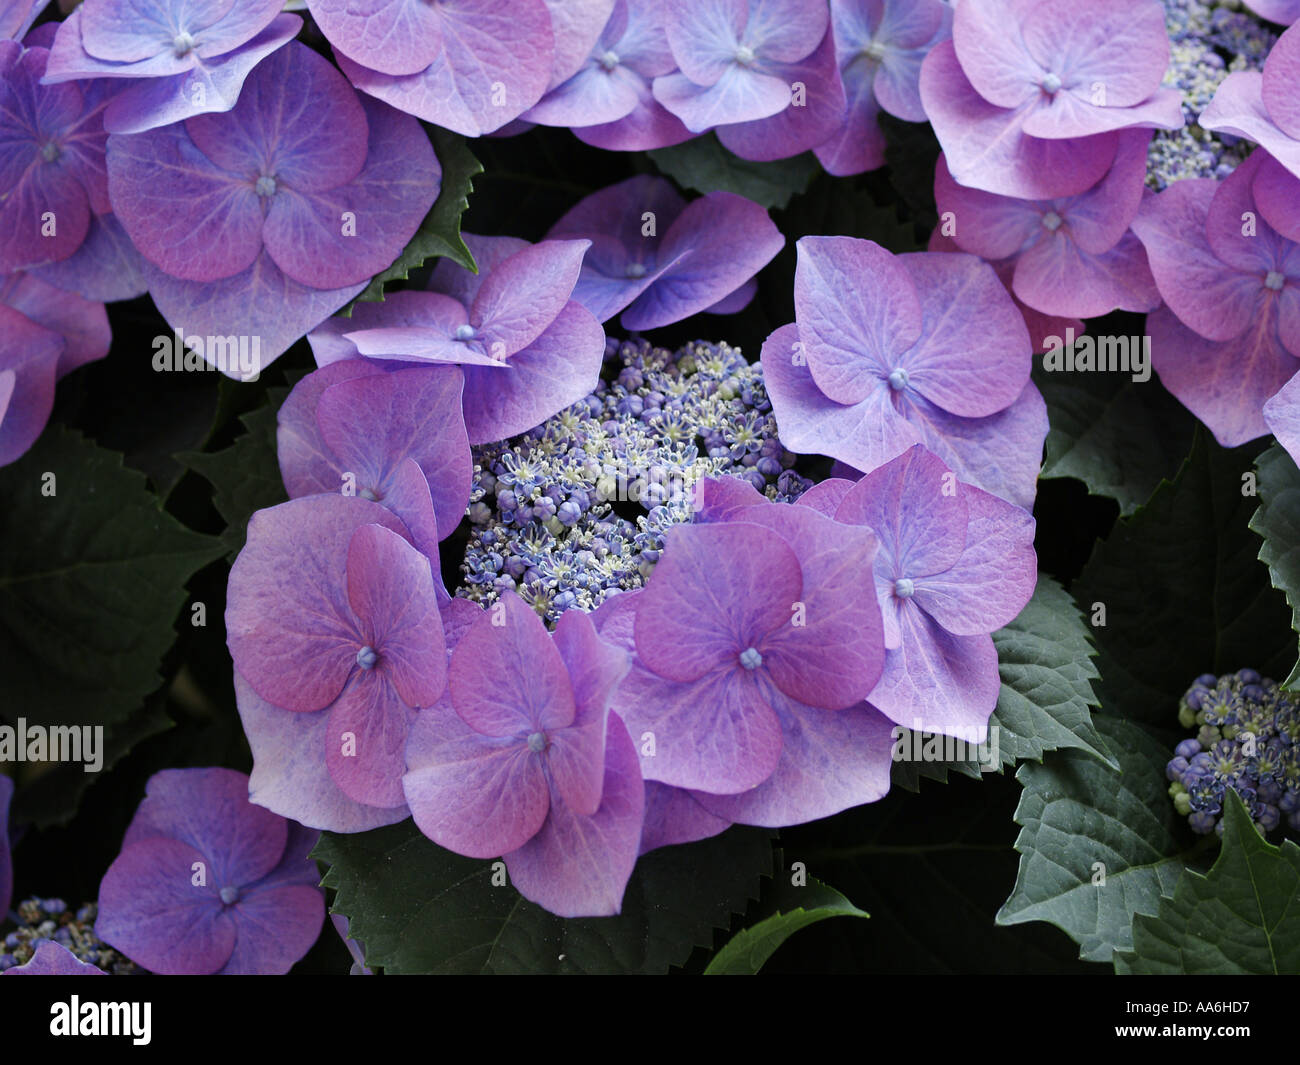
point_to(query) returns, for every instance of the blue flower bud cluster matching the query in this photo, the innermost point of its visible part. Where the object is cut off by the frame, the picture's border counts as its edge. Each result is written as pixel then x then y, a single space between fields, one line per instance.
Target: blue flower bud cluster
pixel 42 919
pixel 1247 739
pixel 1209 41
pixel 576 509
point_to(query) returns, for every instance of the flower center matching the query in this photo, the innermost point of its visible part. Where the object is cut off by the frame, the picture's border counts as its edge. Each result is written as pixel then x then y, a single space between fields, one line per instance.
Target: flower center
pixel 465 332
pixel 50 151
pixel 1052 221
pixel 904 588
pixel 745 55
pixel 1051 84
pixel 1275 281
pixel 182 45
pixel 898 379
pixel 368 493
pixel 367 657
pixel 635 270
pixel 537 742
pixel 875 50
pixel 609 60
pixel 230 895
pixel 265 186
pixel 750 658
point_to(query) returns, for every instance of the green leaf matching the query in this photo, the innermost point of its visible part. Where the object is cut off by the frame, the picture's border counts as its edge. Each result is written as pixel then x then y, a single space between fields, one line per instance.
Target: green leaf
pixel 1077 812
pixel 439 233
pixel 704 165
pixel 246 475
pixel 1242 917
pixel 421 909
pixel 91 580
pixel 1183 590
pixel 1278 521
pixel 796 908
pixel 1119 437
pixel 1045 660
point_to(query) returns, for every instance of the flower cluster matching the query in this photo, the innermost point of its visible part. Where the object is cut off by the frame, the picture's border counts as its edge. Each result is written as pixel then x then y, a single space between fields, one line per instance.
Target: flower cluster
pixel 1248 740
pixel 43 922
pixel 548 508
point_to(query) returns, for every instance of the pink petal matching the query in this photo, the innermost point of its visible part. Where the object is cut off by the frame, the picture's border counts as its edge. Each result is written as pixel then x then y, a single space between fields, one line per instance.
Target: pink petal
pixel 365 740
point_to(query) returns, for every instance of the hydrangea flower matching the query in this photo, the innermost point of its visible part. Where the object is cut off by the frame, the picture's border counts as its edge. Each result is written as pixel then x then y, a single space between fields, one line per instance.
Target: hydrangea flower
pixel 206 882
pixel 1248 732
pixel 763 72
pixel 1262 106
pixel 1073 256
pixel 1026 96
pixel 879 45
pixel 882 356
pixel 955 564
pixel 52 179
pixel 332 618
pixel 1228 336
pixel 17 16
pixel 522 758
pixel 182 57
pixel 262 221
pixel 693 257
pixel 47 333
pixel 54 959
pixel 727 657
pixel 52 922
pixel 526 347
pixel 351 427
pixel 485 62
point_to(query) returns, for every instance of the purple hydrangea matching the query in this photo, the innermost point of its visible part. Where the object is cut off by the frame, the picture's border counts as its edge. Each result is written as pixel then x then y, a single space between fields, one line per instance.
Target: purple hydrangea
pixel 522 758
pixel 394 438
pixel 485 62
pixel 206 882
pixel 17 16
pixel 54 959
pixel 1073 256
pixel 181 57
pixel 1027 95
pixel 526 347
pixel 262 221
pixel 762 72
pixel 659 259
pixel 1226 260
pixel 881 357
pixel 955 564
pixel 332 620
pixel 879 45
pixel 47 334
pixel 1264 106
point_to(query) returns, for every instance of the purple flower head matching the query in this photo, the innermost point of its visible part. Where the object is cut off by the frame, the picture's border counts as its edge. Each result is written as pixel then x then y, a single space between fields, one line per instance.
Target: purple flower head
pixel 333 615
pixel 955 563
pixel 1283 12
pixel 485 62
pixel 52 179
pixel 277 212
pixel 1229 271
pixel 879 45
pixel 661 258
pixel 762 72
pixel 1264 106
pixel 882 357
pixel 394 438
pixel 17 16
pixel 522 758
pixel 6 855
pixel 1072 256
pixel 728 659
pixel 182 57
pixel 206 882
pixel 54 959
pixel 526 347
pixel 1015 94
pixel 47 334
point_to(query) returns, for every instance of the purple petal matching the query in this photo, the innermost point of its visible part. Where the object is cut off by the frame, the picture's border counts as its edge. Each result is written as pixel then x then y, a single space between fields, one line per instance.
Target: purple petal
pixel 577 26
pixel 740 95
pixel 365 740
pixel 29 361
pixel 307 464
pixel 996 59
pixel 54 959
pixel 984 224
pixel 673 816
pixel 704 37
pixel 107 267
pixel 1283 12
pixel 826 496
pixel 1281 75
pixel 390 36
pixel 522 296
pixel 859 144
pixel 591 97
pixel 1276 192
pixel 1057 277
pixel 1238 108
pixel 1254 251
pixel 1281 413
pixel 276 928
pixel 83 324
pixel 17 17
pixel 720 498
pixel 650 126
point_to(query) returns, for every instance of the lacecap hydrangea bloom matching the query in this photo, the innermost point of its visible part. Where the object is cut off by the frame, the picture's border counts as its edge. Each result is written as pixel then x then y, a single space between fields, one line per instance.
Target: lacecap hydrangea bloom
pixel 209 883
pixel 882 356
pixel 1027 96
pixel 63 937
pixel 181 57
pixel 522 758
pixel 264 220
pixel 526 346
pixel 54 959
pixel 1226 260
